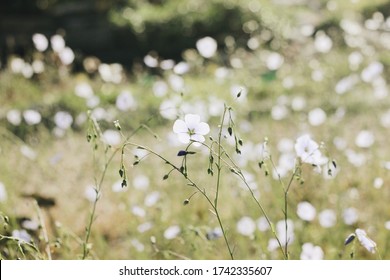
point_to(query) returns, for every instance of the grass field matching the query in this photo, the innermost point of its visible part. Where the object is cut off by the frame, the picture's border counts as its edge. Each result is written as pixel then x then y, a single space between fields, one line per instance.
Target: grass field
pixel 325 75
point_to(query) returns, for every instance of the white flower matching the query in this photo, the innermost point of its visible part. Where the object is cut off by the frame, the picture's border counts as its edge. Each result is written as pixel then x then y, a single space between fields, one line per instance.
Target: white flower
pixel 378 182
pixel 150 61
pixel 306 211
pixel 91 193
pixel 274 61
pixel 32 117
pixel 141 182
pixel 246 226
pixel 138 245
pixel 191 129
pixel 112 137
pixel 63 119
pixel 152 198
pixel 365 139
pixel 181 68
pixel 83 90
pixel 308 150
pixel 40 42
pixel 172 232
pixel 57 43
pixel 350 216
pixel 317 117
pixel 322 42
pixel 22 235
pixel 66 56
pixel 138 211
pixel 125 101
pixel 14 116
pixel 206 46
pixel 372 71
pixel 311 252
pixel 366 242
pixel 144 227
pixel 160 88
pixel 327 218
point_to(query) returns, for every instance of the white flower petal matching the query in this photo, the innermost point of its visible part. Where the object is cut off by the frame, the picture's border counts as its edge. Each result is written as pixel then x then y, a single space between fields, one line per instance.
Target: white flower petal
pixel 192 121
pixel 366 242
pixel 180 127
pixel 198 138
pixel 203 128
pixel 184 138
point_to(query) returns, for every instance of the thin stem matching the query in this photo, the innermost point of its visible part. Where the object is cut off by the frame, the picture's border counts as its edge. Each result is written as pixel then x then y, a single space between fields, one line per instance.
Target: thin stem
pixel 219 159
pixel 233 166
pixel 103 175
pixel 44 231
pixel 193 184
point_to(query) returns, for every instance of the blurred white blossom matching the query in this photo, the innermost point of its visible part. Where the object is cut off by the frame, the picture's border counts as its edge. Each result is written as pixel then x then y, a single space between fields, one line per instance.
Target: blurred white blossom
pixel 306 211
pixel 125 101
pixel 350 216
pixel 172 232
pixel 32 117
pixel 63 120
pixel 246 226
pixel 311 252
pixel 40 42
pixel 327 218
pixel 206 46
pixel 322 42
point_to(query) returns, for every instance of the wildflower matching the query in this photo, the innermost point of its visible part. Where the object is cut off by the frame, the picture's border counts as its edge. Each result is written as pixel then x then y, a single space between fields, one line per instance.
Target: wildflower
pixel 57 43
pixel 350 216
pixel 14 117
pixel 327 218
pixel 317 117
pixel 32 117
pixel 311 252
pixel 366 242
pixel 144 227
pixel 112 137
pixel 274 61
pixel 206 46
pixel 308 150
pixel 141 182
pixel 191 129
pixel 83 90
pixel 40 42
pixel 322 42
pixel 21 235
pixel 172 232
pixel 125 101
pixel 63 119
pixel 91 193
pixel 66 56
pixel 306 211
pixel 152 198
pixel 365 139
pixel 246 226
